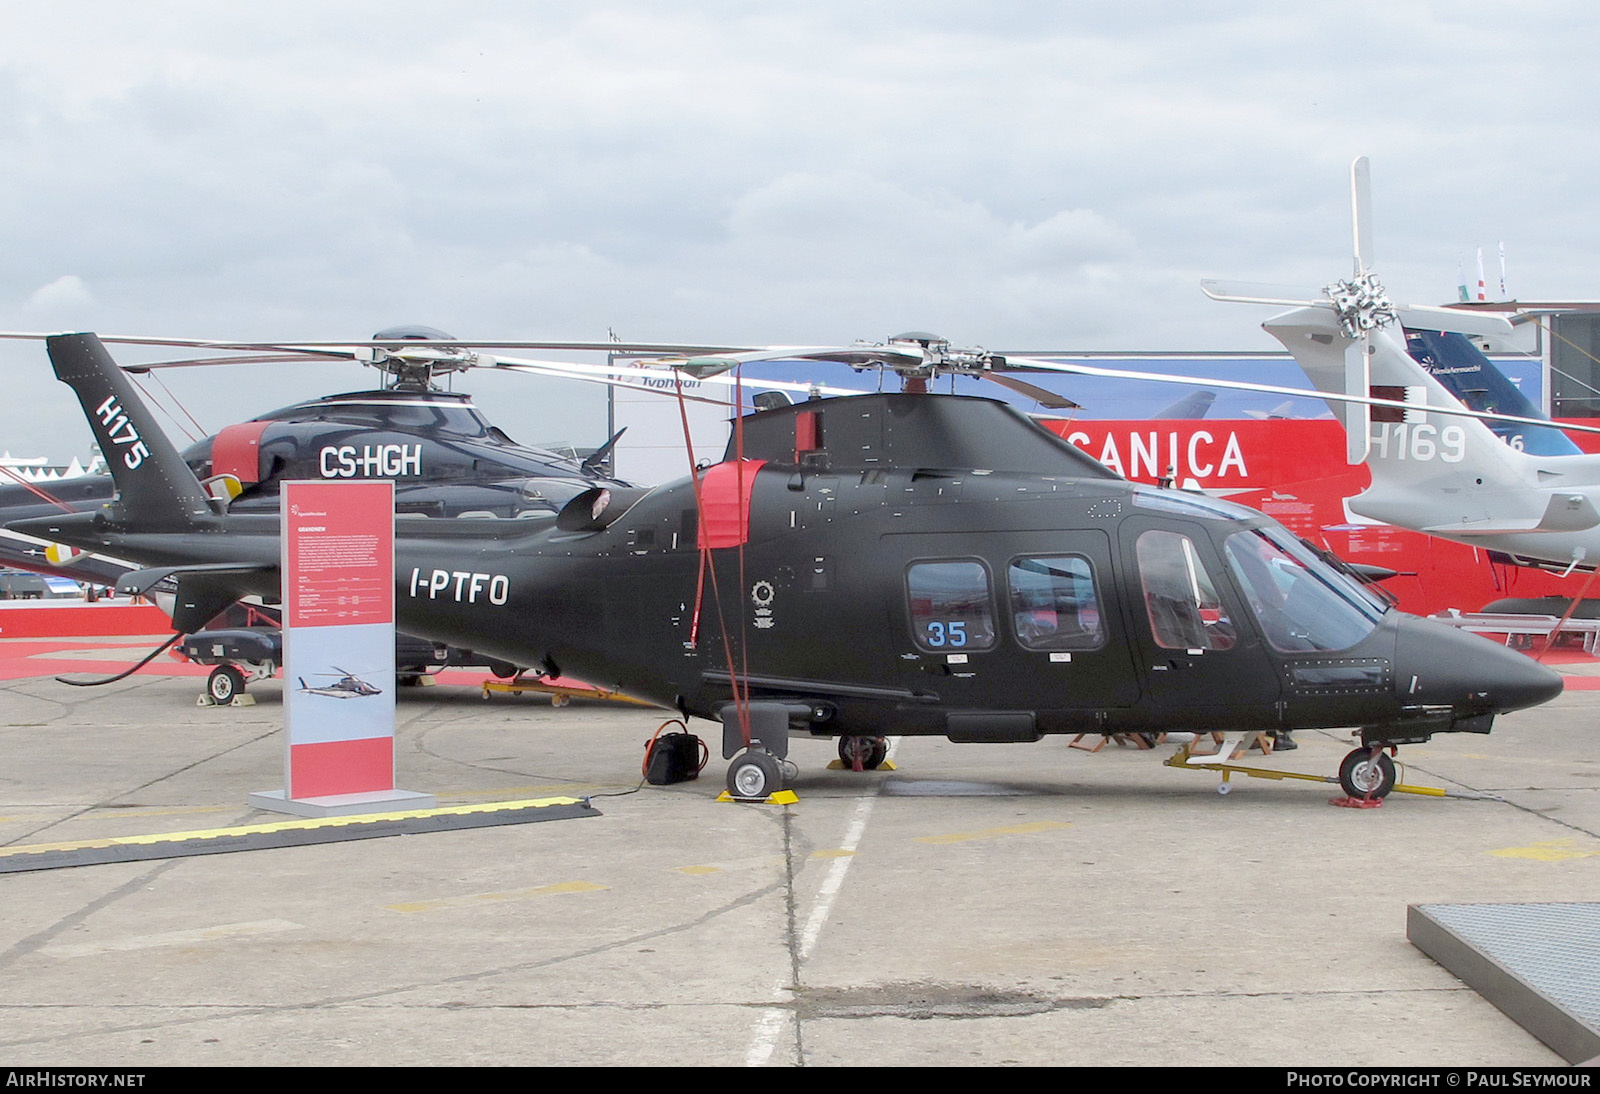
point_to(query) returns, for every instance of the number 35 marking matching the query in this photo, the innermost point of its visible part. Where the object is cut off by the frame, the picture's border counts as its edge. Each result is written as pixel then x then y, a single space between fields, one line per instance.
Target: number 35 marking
pixel 952 634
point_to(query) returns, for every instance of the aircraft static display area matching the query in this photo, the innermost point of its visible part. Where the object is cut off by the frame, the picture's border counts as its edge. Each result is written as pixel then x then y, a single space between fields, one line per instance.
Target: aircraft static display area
pixel 874 565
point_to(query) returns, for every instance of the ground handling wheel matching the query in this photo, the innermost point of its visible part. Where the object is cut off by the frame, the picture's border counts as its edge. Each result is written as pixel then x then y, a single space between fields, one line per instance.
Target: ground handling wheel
pixel 1367 773
pixel 224 683
pixel 863 753
pixel 754 774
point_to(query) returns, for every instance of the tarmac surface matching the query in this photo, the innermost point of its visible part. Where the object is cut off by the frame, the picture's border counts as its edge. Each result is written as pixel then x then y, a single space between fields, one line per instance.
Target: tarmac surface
pixel 1001 904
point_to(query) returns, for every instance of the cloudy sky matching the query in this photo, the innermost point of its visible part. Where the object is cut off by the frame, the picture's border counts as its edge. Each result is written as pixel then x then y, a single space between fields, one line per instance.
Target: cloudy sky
pixel 1016 175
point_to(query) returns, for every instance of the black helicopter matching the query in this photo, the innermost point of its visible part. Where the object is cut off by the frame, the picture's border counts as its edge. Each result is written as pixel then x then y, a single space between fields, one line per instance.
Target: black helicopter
pixel 882 564
pixel 445 457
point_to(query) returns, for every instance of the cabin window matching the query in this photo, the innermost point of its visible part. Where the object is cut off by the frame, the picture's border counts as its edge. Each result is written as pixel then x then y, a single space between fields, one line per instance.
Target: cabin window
pixel 950 606
pixel 1054 605
pixel 1179 596
pixel 1302 603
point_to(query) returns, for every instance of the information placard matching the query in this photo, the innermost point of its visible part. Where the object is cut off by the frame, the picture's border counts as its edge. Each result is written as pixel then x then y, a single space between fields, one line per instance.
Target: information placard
pixel 338 588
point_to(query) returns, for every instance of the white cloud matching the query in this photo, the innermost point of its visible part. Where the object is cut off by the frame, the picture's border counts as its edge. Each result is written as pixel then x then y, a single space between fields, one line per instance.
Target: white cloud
pixel 62 297
pixel 1016 174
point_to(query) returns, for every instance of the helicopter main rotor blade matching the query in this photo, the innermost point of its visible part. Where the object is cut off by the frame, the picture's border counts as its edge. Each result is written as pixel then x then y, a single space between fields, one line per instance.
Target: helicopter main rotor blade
pixel 1043 396
pixel 620 373
pixel 240 359
pixel 1458 411
pixel 553 371
pixel 856 356
pixel 347 344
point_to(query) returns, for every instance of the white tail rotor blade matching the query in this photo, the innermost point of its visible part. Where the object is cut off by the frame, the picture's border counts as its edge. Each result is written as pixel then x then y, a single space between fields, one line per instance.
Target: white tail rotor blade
pixel 1251 292
pixel 1421 317
pixel 1358 416
pixel 1361 212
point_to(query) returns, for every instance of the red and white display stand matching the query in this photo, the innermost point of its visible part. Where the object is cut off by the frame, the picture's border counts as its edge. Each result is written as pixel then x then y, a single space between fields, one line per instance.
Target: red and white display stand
pixel 338 640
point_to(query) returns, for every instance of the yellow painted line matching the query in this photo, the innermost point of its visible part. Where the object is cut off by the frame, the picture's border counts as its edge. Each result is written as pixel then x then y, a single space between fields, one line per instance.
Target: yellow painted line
pixel 99 814
pixel 1556 850
pixel 1539 761
pixel 102 814
pixel 761 862
pixel 219 933
pixel 478 899
pixel 764 862
pixel 307 824
pixel 995 833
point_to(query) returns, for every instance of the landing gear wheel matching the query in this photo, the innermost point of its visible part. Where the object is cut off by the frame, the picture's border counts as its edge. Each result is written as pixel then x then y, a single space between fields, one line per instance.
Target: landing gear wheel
pixel 754 774
pixel 863 753
pixel 225 682
pixel 1367 773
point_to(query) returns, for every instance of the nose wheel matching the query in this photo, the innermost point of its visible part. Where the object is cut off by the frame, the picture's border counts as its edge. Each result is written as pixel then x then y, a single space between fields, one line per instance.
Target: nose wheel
pixel 1367 773
pixel 863 753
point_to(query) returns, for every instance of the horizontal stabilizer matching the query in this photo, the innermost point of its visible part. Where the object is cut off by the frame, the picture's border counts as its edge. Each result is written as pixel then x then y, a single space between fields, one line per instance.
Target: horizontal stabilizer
pixel 204 592
pixel 141 581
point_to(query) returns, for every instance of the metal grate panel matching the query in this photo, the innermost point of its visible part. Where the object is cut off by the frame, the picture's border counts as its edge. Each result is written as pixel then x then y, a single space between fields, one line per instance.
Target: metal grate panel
pixel 1539 963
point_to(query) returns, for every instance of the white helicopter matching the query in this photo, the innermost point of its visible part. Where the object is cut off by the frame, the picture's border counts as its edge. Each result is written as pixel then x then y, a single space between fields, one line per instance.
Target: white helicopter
pixel 1436 466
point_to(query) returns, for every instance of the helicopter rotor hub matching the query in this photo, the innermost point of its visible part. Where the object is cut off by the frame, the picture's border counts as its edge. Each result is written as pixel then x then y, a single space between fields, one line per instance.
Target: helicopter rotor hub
pixel 1361 305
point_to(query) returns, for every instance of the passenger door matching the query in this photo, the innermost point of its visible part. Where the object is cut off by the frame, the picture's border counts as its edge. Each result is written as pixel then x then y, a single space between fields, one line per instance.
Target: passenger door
pixel 1200 658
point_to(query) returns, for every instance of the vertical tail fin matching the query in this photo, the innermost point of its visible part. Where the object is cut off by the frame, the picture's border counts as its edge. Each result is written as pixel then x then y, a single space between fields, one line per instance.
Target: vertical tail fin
pixel 156 489
pixel 1428 469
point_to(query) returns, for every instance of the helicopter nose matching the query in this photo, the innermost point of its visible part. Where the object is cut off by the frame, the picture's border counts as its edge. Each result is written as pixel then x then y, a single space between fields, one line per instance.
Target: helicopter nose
pixel 1440 665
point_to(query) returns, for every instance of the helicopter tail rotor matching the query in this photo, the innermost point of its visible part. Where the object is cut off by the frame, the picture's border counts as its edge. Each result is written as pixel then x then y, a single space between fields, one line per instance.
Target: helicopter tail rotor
pixel 1364 311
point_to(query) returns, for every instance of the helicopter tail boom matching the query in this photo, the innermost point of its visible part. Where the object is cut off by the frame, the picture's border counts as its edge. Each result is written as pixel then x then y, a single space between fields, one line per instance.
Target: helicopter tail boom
pixel 155 487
